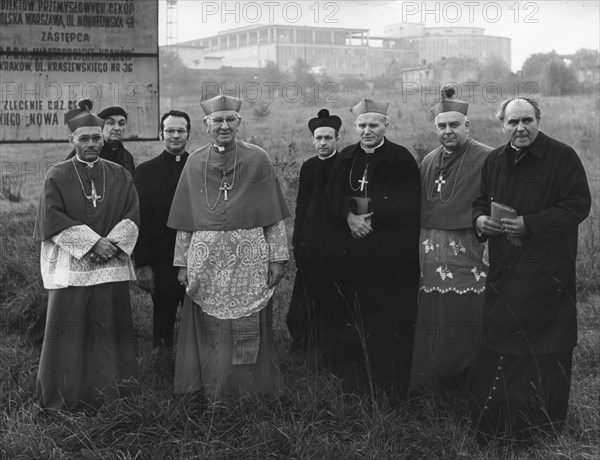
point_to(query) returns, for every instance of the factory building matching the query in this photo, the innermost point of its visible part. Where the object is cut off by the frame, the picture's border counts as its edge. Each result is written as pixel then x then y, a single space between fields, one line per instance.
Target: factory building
pixel 342 51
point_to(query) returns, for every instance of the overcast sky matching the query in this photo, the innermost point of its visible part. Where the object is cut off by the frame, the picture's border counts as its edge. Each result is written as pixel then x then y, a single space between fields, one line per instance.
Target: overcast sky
pixel 539 26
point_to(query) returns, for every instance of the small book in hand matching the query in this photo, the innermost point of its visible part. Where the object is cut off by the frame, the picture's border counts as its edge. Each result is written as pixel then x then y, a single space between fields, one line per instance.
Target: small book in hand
pixel 359 205
pixel 501 211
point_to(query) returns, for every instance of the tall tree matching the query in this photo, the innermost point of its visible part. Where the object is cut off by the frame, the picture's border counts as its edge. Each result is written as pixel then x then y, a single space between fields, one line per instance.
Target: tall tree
pixel 272 73
pixel 175 78
pixel 586 64
pixel 558 79
pixel 551 73
pixel 495 70
pixel 586 59
pixel 305 81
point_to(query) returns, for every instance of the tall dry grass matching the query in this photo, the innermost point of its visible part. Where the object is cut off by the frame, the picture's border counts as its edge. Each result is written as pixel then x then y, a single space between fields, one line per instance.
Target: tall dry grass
pixel 313 418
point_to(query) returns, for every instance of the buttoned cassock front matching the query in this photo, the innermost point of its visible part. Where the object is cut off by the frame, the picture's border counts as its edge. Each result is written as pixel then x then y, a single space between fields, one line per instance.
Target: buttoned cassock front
pixel 378 276
pixel 530 305
pixel 89 348
pixel 156 181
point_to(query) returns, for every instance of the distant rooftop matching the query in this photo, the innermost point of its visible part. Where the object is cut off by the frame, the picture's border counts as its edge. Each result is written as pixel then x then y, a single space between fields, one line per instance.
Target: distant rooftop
pixel 290 26
pixel 259 27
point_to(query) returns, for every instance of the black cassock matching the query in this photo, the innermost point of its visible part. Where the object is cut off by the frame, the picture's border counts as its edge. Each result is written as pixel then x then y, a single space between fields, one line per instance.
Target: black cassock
pixel 530 312
pixel 156 181
pixel 371 284
pixel 303 315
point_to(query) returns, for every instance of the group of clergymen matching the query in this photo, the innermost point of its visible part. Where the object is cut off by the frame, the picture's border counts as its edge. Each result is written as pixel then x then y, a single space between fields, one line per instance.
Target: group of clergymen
pixel 459 272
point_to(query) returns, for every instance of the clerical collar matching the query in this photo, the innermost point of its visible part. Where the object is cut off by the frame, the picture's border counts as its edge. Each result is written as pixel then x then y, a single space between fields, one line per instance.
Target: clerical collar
pixel 222 148
pixel 327 157
pixel 446 151
pixel 516 149
pixel 372 150
pixel 89 164
pixel 460 149
pixel 173 156
pixel 519 153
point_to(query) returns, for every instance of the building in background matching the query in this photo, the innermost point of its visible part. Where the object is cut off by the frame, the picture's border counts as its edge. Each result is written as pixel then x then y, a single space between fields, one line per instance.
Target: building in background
pixel 436 43
pixel 445 70
pixel 198 57
pixel 343 52
pixel 336 51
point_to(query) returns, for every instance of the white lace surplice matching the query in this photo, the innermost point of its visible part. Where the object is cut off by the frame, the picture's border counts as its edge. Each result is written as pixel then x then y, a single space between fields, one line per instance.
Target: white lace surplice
pixel 227 270
pixel 65 258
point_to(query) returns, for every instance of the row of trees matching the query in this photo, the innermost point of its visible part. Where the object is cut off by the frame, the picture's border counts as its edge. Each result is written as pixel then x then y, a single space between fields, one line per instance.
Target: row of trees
pixel 177 80
pixel 555 74
pixel 558 74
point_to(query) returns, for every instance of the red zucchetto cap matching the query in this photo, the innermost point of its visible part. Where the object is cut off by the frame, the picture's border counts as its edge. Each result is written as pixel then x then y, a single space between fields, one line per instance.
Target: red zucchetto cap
pixel 369 105
pixel 82 116
pixel 325 120
pixel 449 102
pixel 221 103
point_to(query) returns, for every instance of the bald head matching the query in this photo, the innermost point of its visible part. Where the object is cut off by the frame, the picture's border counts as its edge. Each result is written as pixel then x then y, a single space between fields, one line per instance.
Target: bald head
pixel 520 122
pixel 500 114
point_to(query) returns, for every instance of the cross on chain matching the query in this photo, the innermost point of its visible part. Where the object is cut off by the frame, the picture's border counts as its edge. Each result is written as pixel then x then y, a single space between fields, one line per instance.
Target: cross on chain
pixel 225 187
pixel 440 181
pixel 363 182
pixel 94 196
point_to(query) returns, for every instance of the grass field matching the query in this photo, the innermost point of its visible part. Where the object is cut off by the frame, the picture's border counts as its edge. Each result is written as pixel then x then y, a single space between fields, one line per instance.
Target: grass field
pixel 313 418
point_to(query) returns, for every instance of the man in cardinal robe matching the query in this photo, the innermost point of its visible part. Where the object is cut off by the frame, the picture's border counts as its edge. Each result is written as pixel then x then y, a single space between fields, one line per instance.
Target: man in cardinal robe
pixel 113 131
pixel 87 224
pixel 371 258
pixel 303 315
pixel 453 269
pixel 230 248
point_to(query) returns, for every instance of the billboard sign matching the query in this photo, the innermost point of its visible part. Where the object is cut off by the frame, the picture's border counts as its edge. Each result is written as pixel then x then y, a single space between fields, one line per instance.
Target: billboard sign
pixel 55 52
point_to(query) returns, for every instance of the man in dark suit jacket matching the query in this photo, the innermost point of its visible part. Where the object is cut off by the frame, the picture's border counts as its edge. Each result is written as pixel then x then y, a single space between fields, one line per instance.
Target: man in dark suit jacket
pixel 156 181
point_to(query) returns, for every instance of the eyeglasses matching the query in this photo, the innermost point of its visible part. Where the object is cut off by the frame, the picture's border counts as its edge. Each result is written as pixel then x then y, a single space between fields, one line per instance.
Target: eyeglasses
pixel 228 120
pixel 172 132
pixel 86 139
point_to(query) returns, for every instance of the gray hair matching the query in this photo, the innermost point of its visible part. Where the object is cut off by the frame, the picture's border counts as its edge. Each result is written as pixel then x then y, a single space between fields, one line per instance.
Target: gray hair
pixel 385 118
pixel 209 116
pixel 534 103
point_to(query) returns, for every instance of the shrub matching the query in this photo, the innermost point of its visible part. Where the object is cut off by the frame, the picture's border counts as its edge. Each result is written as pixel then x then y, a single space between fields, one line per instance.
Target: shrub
pixel 261 110
pixel 11 188
pixel 22 294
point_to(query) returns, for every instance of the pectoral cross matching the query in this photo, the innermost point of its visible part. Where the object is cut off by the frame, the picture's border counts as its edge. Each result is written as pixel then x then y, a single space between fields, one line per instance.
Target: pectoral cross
pixel 363 182
pixel 440 181
pixel 94 196
pixel 225 187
